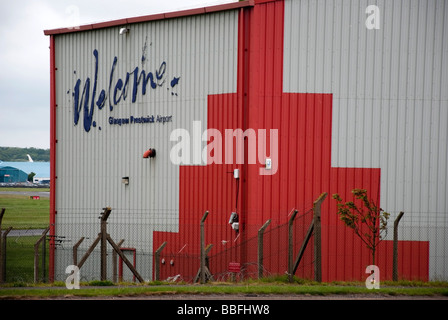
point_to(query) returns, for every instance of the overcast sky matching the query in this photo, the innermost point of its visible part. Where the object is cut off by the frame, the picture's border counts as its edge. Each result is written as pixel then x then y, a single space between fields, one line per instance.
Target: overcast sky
pixel 24 56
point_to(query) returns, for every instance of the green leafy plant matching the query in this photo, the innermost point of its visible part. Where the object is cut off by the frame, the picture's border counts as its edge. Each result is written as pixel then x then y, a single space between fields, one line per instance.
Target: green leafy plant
pixel 367 220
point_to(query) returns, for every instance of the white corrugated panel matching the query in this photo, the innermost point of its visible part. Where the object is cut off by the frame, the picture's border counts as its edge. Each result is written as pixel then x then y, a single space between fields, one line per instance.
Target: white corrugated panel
pixel 193 56
pixel 390 100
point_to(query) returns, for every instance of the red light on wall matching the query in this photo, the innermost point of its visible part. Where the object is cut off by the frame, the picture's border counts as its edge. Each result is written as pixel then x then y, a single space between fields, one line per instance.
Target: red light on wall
pixel 150 153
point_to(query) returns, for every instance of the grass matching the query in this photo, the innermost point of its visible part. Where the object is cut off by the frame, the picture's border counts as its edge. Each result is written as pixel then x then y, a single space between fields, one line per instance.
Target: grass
pixel 20 259
pixel 25 213
pixel 256 287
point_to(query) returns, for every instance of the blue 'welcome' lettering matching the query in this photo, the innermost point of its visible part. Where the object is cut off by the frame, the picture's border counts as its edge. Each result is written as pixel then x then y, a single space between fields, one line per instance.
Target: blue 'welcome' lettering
pixel 84 104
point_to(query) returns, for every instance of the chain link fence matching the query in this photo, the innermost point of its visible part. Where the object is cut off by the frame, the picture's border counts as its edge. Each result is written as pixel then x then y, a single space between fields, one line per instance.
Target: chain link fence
pixel 24 255
pixel 183 263
pixel 420 253
pixel 24 246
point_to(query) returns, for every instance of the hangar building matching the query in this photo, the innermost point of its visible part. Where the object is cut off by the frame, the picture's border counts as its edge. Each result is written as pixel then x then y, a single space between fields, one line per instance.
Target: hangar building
pixel 255 107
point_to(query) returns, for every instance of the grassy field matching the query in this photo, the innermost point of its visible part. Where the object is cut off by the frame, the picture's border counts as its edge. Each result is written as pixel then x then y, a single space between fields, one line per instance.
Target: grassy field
pixel 20 259
pixel 23 212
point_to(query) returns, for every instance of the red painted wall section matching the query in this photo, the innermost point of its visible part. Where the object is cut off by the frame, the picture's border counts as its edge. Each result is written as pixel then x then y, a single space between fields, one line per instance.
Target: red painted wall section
pixel 413 260
pixel 53 142
pixel 208 188
pixel 304 122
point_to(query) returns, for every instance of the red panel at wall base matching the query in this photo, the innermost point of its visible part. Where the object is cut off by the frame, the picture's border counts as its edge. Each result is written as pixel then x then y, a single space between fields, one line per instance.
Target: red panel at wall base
pixel 413 260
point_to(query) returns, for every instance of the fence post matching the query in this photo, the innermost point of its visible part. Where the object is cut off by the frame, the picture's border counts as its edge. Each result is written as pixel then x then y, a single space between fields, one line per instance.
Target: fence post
pixel 75 251
pixel 89 251
pixel 206 267
pixel 395 251
pixel 1 246
pixel 303 247
pixel 104 238
pixel 157 261
pixel 291 246
pixel 104 217
pixel 260 248
pixel 125 260
pixel 114 263
pixel 203 247
pixel 317 237
pixel 44 260
pixel 36 255
pixel 3 255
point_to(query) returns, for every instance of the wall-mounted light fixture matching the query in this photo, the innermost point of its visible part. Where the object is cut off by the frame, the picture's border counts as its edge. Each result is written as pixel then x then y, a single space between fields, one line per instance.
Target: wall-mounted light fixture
pixel 124 31
pixel 125 180
pixel 150 153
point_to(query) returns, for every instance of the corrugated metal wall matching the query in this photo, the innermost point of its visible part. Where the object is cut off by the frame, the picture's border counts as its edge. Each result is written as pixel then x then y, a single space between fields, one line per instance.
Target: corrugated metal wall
pixel 303 121
pixel 193 56
pixel 390 103
pixel 349 115
pixel 353 108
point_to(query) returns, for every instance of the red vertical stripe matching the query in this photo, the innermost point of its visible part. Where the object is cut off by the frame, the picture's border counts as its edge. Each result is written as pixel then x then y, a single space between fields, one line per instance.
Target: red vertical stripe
pixel 52 158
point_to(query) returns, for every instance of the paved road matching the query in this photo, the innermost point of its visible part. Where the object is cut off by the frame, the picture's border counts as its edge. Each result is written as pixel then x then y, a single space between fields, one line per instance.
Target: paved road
pixel 25 232
pixel 238 297
pixel 216 297
pixel 43 194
